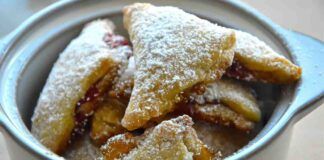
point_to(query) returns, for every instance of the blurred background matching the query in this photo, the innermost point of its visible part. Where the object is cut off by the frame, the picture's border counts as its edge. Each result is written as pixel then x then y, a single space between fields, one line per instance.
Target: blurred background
pixel 305 16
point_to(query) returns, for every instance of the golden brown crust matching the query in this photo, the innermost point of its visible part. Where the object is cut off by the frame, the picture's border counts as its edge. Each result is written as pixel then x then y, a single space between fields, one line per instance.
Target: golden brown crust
pixel 176 53
pixel 220 114
pixel 106 121
pixel 118 146
pixel 85 60
pixel 211 111
pixel 171 139
pixel 262 62
pixel 93 97
pixel 201 54
pixel 233 95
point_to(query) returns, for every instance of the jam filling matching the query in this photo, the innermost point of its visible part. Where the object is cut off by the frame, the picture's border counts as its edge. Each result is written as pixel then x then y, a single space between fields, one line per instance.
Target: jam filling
pixel 238 71
pixel 91 95
pixel 86 106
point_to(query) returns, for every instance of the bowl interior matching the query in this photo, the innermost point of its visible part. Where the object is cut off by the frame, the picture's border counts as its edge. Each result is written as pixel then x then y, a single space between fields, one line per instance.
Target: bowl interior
pixel 37 70
pixel 32 58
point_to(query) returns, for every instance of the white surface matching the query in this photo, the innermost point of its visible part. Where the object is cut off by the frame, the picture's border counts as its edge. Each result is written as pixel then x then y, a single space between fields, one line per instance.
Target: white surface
pixel 3 150
pixel 301 15
pixel 305 16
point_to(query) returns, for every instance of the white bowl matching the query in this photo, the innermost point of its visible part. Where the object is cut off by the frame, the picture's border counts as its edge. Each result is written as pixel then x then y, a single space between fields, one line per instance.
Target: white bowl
pixel 27 55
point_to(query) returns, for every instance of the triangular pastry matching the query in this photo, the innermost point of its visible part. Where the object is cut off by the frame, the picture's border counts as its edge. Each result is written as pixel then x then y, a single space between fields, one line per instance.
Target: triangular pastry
pixel 256 61
pixel 173 51
pixel 233 95
pixel 171 139
pixel 223 102
pixel 82 72
pixel 221 114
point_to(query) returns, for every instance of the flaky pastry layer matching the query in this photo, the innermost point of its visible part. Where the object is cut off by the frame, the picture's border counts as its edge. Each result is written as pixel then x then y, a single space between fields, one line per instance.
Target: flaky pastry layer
pixel 84 61
pixel 173 50
pixel 262 62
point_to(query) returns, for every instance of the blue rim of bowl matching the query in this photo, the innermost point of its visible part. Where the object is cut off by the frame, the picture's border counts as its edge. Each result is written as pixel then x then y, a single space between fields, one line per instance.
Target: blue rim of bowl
pixel 242 154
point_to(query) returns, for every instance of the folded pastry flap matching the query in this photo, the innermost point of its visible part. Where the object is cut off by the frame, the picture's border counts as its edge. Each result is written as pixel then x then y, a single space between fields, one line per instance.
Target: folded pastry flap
pixel 170 138
pixel 233 95
pixel 78 67
pixel 119 146
pixel 53 125
pixel 240 99
pixel 173 51
pixel 244 109
pixel 264 63
pixel 196 146
pixel 221 114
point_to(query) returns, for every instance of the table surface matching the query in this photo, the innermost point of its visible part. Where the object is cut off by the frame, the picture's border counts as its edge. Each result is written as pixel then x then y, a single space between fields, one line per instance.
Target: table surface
pixel 300 15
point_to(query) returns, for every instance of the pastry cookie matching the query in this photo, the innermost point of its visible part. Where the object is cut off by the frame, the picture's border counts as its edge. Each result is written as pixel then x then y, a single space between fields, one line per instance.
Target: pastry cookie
pixel 171 139
pixel 233 95
pixel 220 114
pixel 75 81
pixel 173 51
pixel 256 61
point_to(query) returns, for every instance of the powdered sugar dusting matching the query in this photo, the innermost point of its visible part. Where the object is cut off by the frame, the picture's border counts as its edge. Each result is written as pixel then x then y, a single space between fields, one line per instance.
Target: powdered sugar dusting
pixel 85 60
pixel 258 56
pixel 233 95
pixel 253 47
pixel 171 139
pixel 173 51
pixel 119 146
pixel 218 113
pixel 129 71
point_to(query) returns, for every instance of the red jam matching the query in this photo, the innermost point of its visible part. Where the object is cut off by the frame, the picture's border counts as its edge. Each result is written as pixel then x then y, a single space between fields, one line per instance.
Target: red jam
pixel 239 72
pixel 86 106
pixel 115 40
pixel 184 108
pixel 84 109
pixel 91 94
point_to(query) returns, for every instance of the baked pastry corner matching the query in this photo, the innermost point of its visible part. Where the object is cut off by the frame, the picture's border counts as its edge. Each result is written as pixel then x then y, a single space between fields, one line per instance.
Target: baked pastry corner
pixel 173 50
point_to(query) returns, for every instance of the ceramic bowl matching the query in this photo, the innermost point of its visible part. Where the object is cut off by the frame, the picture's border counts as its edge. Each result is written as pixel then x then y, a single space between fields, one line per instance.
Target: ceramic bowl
pixel 28 53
